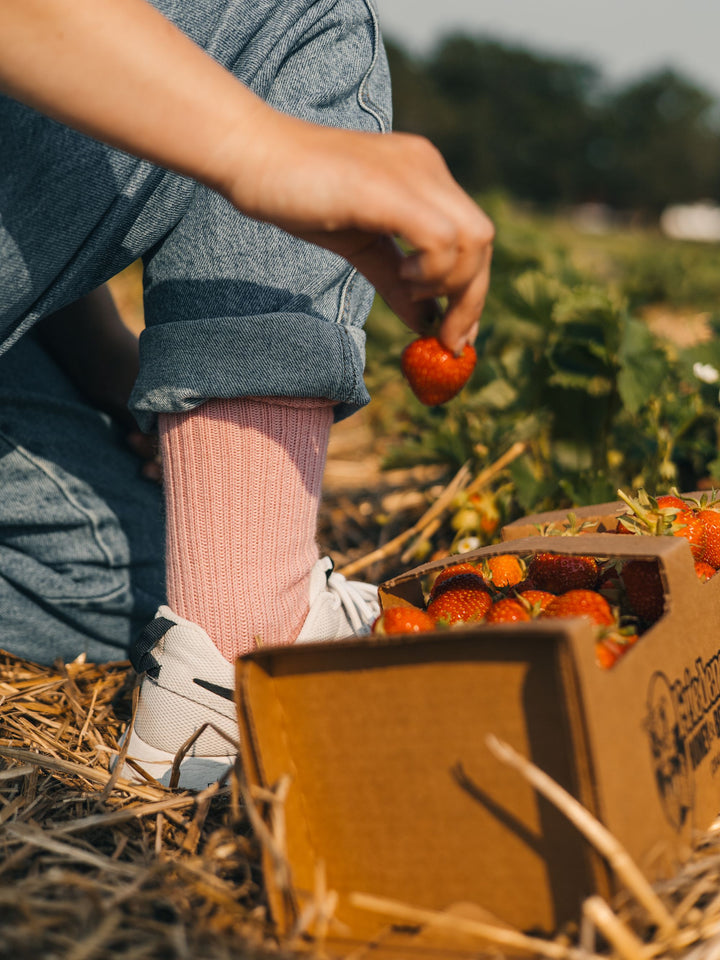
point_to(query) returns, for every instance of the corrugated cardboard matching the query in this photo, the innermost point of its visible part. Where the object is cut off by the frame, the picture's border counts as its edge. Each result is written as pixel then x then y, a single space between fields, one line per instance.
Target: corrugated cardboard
pixel 395 790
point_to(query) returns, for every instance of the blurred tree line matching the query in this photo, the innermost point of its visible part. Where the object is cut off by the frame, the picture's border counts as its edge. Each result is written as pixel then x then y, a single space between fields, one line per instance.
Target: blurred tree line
pixel 550 130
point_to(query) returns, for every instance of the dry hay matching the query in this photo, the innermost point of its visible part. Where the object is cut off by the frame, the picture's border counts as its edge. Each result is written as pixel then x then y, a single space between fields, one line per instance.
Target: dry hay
pixel 92 867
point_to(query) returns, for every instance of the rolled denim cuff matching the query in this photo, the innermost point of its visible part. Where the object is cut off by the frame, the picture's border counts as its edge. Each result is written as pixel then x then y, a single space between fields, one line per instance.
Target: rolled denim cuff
pixel 183 363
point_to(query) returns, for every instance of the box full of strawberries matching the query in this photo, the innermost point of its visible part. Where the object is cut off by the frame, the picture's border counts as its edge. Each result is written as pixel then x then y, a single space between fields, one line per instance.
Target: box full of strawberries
pixel 595 654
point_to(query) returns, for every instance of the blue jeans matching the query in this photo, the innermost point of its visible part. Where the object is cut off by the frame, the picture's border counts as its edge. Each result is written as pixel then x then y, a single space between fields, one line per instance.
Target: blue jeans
pixel 233 308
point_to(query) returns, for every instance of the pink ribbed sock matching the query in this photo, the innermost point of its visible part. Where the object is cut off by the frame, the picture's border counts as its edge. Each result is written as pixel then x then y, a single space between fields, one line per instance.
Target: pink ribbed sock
pixel 242 486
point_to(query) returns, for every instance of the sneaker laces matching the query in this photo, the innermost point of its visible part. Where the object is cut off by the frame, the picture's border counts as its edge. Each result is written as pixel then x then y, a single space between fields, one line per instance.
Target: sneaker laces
pixel 358 600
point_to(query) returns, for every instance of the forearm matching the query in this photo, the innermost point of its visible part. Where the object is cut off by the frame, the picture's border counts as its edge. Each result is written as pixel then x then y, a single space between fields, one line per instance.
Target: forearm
pixel 120 72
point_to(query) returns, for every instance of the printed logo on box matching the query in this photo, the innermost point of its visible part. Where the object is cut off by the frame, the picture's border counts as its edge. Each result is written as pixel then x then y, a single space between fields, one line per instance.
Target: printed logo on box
pixel 673 775
pixel 683 725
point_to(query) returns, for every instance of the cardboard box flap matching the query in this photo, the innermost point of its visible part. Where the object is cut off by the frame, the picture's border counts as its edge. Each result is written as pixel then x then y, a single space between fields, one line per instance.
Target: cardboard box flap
pixel 603 517
pixel 393 787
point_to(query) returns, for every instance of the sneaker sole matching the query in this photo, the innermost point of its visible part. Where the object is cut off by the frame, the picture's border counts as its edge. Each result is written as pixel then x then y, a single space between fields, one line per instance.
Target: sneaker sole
pixel 196 773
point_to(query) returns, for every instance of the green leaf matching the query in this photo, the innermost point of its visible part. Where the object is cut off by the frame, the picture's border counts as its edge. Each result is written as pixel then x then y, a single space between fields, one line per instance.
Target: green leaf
pixel 498 395
pixel 643 366
pixel 595 386
pixel 536 294
pixel 528 485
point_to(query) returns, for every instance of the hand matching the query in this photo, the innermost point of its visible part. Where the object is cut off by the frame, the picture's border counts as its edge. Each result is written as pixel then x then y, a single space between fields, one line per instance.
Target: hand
pixel 123 73
pixel 353 193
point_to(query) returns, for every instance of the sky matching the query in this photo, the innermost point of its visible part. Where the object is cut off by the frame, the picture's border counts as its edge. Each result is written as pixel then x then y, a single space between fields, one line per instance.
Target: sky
pixel 624 38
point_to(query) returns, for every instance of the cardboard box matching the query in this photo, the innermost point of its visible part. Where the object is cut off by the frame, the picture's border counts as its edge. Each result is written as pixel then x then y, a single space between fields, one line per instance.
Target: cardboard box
pixel 394 788
pixel 600 518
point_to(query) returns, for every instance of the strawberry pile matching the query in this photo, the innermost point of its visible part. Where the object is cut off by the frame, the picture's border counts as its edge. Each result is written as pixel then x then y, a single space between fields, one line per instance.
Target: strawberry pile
pixel 622 598
pixel 511 589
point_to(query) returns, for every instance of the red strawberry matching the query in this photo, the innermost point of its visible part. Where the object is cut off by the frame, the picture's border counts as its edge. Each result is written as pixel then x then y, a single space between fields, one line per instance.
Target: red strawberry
pixel 507 611
pixel 689 525
pixel 459 581
pixel 560 572
pixel 644 589
pixel 449 572
pixel 705 571
pixel 649 518
pixel 463 599
pixel 670 500
pixel 505 570
pixel 612 646
pixel 434 373
pixel 535 600
pixel 581 603
pixel 607 653
pixel 710 519
pixel 403 620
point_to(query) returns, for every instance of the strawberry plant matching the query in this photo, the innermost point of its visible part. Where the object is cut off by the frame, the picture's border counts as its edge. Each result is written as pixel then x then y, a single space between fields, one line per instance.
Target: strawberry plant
pixel 567 365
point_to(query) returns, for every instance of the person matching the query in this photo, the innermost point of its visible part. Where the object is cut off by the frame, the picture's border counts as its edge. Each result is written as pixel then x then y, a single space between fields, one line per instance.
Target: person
pixel 244 152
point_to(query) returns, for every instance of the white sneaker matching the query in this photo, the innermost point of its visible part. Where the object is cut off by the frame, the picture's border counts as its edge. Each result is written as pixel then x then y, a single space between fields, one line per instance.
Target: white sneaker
pixel 339 608
pixel 187 682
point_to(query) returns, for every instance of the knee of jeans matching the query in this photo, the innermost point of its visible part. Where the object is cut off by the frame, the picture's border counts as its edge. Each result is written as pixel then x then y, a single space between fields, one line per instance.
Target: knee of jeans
pixel 59 540
pixel 331 68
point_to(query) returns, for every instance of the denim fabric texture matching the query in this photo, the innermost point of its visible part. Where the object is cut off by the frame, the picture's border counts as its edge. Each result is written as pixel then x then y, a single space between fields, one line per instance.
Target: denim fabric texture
pixel 81 531
pixel 233 308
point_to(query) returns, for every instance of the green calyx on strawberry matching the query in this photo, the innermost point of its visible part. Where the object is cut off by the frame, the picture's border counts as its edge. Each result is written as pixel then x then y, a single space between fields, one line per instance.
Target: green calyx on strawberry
pixel 434 373
pixel 572 526
pixel 650 518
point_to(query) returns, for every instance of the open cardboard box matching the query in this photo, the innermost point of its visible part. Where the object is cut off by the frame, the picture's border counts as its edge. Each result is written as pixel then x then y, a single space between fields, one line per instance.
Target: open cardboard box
pixel 395 790
pixel 600 518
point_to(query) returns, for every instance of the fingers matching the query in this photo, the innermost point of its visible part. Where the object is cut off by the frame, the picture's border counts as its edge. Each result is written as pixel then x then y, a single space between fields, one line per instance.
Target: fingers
pixel 460 323
pixel 465 285
pixel 377 187
pixel 452 239
pixel 380 259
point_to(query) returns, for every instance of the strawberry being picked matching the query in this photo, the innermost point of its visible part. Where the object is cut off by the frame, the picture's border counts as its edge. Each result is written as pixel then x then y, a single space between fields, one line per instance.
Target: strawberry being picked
pixel 434 373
